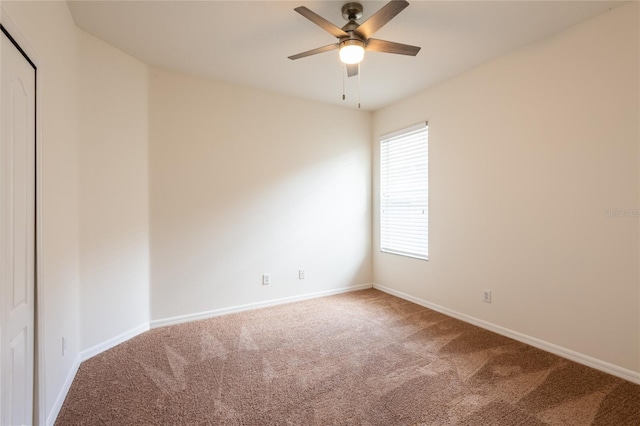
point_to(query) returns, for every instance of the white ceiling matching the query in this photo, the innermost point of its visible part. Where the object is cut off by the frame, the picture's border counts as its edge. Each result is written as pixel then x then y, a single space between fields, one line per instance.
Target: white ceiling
pixel 248 42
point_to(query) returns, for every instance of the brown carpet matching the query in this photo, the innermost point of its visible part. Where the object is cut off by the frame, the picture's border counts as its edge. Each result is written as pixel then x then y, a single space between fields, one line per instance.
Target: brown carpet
pixel 361 358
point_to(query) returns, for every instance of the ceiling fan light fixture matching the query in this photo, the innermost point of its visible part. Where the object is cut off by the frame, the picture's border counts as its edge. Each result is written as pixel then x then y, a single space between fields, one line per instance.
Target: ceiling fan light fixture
pixel 351 51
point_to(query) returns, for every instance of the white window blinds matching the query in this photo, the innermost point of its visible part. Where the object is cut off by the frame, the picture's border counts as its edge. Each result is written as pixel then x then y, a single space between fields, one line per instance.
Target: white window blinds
pixel 404 192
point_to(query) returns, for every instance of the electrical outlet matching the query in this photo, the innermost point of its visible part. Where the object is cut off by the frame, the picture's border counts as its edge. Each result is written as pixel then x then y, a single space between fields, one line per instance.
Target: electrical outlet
pixel 486 296
pixel 64 346
pixel 266 279
pixel 301 274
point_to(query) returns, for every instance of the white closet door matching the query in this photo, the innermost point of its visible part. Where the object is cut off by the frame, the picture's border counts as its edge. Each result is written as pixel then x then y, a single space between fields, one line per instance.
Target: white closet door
pixel 17 235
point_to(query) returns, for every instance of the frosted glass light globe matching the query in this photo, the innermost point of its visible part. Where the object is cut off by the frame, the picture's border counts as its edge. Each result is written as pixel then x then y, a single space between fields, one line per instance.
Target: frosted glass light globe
pixel 351 52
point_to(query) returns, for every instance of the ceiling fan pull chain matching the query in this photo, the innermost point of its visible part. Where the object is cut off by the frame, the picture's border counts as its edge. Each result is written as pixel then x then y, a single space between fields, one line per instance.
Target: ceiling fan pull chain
pixel 359 74
pixel 344 69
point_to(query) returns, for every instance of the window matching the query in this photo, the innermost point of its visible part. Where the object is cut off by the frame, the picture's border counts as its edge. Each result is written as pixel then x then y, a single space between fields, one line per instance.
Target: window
pixel 404 192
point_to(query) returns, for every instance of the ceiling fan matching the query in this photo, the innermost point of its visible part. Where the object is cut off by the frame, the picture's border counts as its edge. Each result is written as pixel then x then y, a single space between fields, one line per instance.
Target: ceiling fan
pixel 354 38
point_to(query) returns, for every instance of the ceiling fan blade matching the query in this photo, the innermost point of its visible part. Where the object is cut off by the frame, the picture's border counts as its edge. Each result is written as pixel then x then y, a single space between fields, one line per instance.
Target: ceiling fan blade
pixel 352 70
pixel 315 51
pixel 321 22
pixel 381 17
pixel 375 45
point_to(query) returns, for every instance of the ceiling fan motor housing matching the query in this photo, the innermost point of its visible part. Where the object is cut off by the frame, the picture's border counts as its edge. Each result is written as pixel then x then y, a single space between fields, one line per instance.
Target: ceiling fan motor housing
pixel 352 11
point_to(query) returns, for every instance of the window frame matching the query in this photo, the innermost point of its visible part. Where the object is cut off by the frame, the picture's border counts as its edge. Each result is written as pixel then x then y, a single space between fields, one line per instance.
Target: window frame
pixel 397 248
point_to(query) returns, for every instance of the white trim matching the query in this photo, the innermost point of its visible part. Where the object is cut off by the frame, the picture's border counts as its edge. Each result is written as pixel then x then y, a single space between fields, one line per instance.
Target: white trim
pixel 18 37
pixel 250 306
pixel 114 341
pixel 578 357
pixel 418 126
pixel 83 356
pixel 57 405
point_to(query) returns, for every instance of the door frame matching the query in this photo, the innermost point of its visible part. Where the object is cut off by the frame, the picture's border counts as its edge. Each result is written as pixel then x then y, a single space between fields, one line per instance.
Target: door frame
pixel 39 389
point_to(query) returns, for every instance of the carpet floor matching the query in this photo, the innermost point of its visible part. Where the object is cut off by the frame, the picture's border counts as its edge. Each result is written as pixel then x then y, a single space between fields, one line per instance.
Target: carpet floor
pixel 361 358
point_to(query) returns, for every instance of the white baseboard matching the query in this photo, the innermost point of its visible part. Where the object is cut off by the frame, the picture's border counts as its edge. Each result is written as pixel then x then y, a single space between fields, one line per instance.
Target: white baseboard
pixel 114 341
pixel 83 356
pixel 233 309
pixel 57 405
pixel 578 357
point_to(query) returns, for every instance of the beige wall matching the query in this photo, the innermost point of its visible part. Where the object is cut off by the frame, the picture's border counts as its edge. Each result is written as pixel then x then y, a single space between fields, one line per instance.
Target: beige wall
pixel 527 153
pixel 114 185
pixel 245 182
pixel 51 34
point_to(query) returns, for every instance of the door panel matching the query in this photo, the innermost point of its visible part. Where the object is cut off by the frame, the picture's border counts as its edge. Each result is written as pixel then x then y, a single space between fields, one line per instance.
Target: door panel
pixel 19 118
pixel 19 366
pixel 17 232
